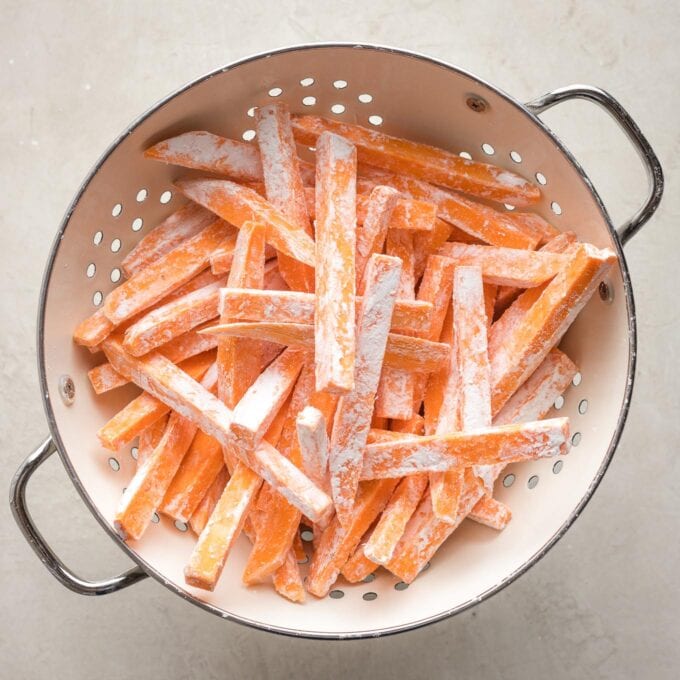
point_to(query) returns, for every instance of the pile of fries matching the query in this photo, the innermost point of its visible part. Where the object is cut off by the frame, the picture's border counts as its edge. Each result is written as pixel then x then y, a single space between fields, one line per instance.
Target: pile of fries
pixel 357 346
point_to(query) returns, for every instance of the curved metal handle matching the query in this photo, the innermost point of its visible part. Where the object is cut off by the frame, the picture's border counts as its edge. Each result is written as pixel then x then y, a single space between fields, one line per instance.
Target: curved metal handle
pixel 17 501
pixel 634 134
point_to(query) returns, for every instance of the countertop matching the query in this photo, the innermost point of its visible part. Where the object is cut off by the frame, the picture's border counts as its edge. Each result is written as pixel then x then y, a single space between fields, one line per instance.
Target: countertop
pixel 604 603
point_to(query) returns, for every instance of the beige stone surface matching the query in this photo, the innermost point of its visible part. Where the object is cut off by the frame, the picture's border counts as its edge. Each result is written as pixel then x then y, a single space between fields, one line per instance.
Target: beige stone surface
pixel 604 603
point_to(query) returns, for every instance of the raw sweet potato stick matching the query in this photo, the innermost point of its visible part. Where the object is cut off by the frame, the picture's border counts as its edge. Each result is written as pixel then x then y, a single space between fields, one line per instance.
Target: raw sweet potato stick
pixel 334 318
pixel 491 512
pixel 283 184
pixel 183 224
pixel 353 415
pixel 149 439
pixel 240 304
pixel 237 205
pixel 205 508
pixel 313 441
pixel 421 160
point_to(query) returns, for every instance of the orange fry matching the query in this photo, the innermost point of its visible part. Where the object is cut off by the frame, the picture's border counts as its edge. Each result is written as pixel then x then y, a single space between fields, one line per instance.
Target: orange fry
pixel 403 351
pixel 551 310
pixel 358 566
pixel 534 225
pixel 424 161
pixel 167 273
pixel 507 266
pixel 149 439
pixel 486 446
pixel 183 224
pixel 313 441
pixel 242 304
pixel 238 204
pixel 334 322
pixel 491 512
pixel 205 508
pixel 353 415
pixel 288 581
pixel 283 184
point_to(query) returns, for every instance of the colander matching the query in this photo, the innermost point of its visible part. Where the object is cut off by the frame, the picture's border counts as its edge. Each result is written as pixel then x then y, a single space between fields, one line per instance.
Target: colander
pixel 404 94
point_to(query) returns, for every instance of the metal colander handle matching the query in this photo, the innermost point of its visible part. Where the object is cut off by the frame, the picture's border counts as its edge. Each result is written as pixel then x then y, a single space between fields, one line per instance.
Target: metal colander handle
pixel 649 159
pixel 17 500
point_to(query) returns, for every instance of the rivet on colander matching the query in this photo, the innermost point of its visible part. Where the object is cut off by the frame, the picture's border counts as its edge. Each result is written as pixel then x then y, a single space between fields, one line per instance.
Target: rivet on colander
pixel 67 389
pixel 583 406
pixel 606 292
pixel 508 480
pixel 180 526
pixel 576 439
pixel 557 467
pixel 369 596
pixel 533 482
pixel 114 464
pixel 336 594
pixel 476 103
pixel 400 586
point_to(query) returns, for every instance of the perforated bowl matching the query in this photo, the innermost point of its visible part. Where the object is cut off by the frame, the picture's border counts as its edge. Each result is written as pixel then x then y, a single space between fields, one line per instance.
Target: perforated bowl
pixel 405 94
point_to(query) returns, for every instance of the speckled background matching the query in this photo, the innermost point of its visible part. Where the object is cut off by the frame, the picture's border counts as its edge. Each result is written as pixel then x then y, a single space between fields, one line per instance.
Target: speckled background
pixel 604 603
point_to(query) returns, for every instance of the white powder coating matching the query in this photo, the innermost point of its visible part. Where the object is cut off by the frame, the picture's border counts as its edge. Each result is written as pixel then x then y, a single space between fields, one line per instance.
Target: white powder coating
pixel 282 180
pixel 265 305
pixel 180 226
pixel 510 179
pixel 238 204
pixel 507 266
pixel 487 446
pixel 353 415
pixel 172 320
pixel 180 392
pixel 104 378
pixel 253 414
pixel 311 432
pixel 334 324
pixel 212 153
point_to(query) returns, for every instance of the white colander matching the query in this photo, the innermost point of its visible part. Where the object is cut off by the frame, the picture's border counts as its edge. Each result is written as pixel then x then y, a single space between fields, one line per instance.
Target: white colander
pixel 405 94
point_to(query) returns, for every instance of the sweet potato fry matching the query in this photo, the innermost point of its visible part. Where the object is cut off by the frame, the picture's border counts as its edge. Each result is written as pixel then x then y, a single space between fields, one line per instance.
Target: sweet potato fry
pixel 216 540
pixel 486 446
pixel 90 332
pixel 358 566
pixel 370 239
pixel 313 441
pixel 405 352
pixel 338 543
pixel 334 320
pixel 257 408
pixel 551 312
pixel 507 266
pixel 204 151
pixel 170 384
pixel 475 219
pixel 197 472
pixel 104 378
pixel 235 373
pixel 534 225
pixel 183 224
pixel 383 540
pixel 490 295
pixel 145 409
pixel 237 205
pixel 167 273
pixel 241 304
pixel 171 320
pixel 353 415
pixel 428 243
pixel 283 184
pixel 149 439
pixel 222 257
pixel 491 512
pixel 288 581
pixel 413 215
pixel 424 161
pixel 205 508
